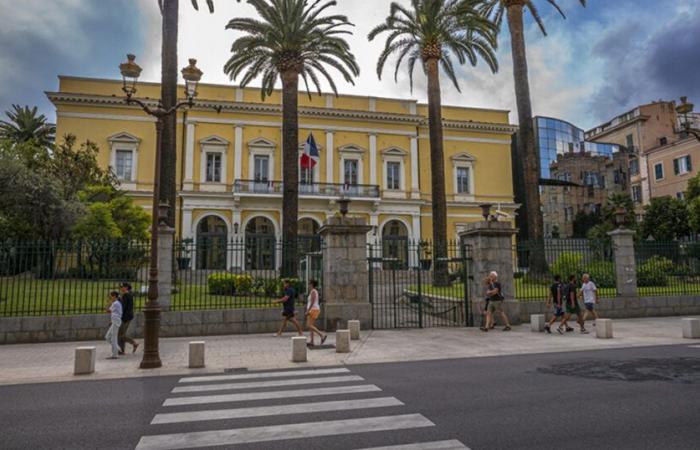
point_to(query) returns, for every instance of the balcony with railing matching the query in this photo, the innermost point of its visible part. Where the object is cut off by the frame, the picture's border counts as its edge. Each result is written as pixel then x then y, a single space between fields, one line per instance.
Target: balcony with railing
pixel 274 188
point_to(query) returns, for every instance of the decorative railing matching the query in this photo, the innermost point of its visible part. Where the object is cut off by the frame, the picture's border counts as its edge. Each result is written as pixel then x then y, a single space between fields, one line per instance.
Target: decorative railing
pixel 273 187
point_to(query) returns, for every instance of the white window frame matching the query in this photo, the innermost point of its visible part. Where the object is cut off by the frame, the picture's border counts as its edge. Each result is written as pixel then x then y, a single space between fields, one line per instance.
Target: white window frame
pixel 125 142
pixel 206 157
pixel 463 160
pixel 352 152
pixel 636 200
pixel 261 147
pixel 684 159
pixel 663 172
pixel 397 155
pixel 209 145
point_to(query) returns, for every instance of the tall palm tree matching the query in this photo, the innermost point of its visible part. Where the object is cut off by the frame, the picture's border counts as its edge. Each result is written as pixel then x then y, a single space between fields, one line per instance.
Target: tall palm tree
pixel 291 39
pixel 526 157
pixel 24 125
pixel 434 32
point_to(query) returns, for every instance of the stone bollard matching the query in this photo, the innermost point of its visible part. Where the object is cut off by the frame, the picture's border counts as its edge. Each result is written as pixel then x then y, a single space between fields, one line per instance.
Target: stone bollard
pixel 691 328
pixel 196 354
pixel 342 341
pixel 84 361
pixel 604 328
pixel 537 322
pixel 354 327
pixel 299 349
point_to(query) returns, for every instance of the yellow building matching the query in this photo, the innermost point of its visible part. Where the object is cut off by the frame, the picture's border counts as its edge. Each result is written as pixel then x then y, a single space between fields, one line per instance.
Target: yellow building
pixel 374 151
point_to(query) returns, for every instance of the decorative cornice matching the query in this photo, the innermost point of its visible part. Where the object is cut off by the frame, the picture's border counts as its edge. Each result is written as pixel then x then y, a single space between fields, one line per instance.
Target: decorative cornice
pixel 58 98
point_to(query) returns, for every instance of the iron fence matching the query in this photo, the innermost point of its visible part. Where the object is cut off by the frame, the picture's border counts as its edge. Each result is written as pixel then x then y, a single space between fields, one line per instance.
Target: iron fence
pixel 537 262
pixel 414 284
pixel 665 268
pixel 67 277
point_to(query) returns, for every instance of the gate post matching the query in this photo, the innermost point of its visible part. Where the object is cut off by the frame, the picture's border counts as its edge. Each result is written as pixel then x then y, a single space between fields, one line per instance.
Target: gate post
pixel 166 237
pixel 625 262
pixel 345 272
pixel 492 249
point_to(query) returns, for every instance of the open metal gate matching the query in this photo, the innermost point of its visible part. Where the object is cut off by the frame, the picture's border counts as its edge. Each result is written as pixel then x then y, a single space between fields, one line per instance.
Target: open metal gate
pixel 420 290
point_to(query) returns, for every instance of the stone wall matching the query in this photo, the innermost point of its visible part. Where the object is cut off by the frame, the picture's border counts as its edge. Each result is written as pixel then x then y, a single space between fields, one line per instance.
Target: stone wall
pixel 19 330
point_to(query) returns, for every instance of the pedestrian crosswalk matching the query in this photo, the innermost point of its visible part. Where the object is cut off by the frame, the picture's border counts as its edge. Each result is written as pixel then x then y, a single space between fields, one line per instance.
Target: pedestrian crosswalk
pixel 270 408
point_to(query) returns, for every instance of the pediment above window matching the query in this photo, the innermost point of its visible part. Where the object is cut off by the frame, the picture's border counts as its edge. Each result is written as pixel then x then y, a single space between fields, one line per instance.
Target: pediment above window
pixel 394 151
pixel 351 148
pixel 214 140
pixel 123 138
pixel 462 157
pixel 261 142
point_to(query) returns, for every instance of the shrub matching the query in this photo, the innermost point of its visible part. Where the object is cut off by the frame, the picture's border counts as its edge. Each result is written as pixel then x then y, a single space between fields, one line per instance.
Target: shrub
pixel 243 283
pixel 602 273
pixel 655 271
pixel 221 284
pixel 568 263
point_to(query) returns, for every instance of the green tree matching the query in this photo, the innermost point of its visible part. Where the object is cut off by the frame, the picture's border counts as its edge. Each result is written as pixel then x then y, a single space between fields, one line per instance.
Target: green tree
pixel 584 221
pixel 77 166
pixel 434 33
pixel 25 124
pixel 132 222
pixel 692 196
pixel 608 221
pixel 665 219
pixel 97 224
pixel 527 168
pixel 291 39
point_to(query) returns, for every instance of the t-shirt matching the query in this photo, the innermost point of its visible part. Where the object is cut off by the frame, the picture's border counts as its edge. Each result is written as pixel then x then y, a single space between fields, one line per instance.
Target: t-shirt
pixel 589 289
pixel 312 301
pixel 116 312
pixel 569 293
pixel 557 295
pixel 291 294
pixel 127 300
pixel 498 295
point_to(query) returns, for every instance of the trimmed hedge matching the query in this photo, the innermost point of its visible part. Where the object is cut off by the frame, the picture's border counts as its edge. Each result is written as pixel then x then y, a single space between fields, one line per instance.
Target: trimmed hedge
pixel 233 284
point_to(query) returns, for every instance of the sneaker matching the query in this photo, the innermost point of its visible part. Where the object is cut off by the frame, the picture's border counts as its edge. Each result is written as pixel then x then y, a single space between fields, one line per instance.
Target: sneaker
pixel 584 331
pixel 323 339
pixel 548 329
pixel 569 329
pixel 484 329
pixel 506 328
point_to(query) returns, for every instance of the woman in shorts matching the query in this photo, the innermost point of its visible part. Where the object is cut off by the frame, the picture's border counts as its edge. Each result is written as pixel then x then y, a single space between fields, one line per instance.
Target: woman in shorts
pixel 313 310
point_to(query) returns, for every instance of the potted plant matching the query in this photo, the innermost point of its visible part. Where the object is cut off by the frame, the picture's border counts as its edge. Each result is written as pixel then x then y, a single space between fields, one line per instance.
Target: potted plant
pixel 184 248
pixel 426 254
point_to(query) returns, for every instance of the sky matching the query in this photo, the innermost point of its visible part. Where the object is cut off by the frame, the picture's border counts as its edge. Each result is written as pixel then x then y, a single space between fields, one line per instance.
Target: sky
pixel 601 61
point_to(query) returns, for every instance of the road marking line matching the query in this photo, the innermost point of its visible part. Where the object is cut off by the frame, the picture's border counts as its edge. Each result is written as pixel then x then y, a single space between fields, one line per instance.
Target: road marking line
pixel 264 384
pixel 223 398
pixel 282 432
pixel 438 445
pixel 275 410
pixel 248 376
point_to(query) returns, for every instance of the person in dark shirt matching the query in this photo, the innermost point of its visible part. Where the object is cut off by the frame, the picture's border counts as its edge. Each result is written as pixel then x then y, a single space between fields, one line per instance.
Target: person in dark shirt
pixel 494 295
pixel 287 301
pixel 127 300
pixel 555 301
pixel 572 306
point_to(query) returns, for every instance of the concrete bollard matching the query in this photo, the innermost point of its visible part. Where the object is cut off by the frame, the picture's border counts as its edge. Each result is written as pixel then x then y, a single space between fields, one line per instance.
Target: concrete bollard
pixel 342 341
pixel 537 322
pixel 604 328
pixel 196 354
pixel 84 361
pixel 691 328
pixel 354 327
pixel 299 349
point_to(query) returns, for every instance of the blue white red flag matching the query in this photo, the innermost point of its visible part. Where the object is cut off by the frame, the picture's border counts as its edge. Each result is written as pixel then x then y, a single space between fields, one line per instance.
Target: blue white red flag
pixel 310 156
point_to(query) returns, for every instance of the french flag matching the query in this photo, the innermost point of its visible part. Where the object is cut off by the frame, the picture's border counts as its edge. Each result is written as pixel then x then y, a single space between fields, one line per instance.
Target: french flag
pixel 310 157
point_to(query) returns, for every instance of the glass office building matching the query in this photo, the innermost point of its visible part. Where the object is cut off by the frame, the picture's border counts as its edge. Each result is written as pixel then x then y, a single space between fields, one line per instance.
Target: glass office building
pixel 556 137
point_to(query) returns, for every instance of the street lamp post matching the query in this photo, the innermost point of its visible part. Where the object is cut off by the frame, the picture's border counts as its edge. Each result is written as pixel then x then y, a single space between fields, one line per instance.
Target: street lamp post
pixel 130 72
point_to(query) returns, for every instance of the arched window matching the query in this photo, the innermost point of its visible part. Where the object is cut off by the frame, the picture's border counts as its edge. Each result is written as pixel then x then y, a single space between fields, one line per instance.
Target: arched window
pixel 260 243
pixel 212 236
pixel 395 244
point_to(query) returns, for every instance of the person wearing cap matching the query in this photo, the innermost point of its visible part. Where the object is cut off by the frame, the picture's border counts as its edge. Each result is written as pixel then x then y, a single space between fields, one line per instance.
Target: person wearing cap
pixel 127 300
pixel 494 295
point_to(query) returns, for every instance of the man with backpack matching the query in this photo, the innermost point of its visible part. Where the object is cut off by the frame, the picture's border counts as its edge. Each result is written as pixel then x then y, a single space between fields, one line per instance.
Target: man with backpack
pixel 572 306
pixel 555 300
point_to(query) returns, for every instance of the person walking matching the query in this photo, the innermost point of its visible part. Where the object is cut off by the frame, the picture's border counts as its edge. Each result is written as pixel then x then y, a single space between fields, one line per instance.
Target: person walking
pixel 127 300
pixel 494 294
pixel 313 310
pixel 589 292
pixel 555 301
pixel 287 300
pixel 485 310
pixel 115 310
pixel 572 306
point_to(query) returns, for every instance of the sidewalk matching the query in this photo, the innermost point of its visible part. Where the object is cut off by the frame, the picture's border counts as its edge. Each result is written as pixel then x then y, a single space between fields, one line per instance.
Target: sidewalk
pixel 34 363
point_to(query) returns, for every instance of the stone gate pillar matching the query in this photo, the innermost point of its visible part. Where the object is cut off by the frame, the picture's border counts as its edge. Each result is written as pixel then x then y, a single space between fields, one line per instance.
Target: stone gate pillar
pixel 345 272
pixel 491 245
pixel 625 264
pixel 166 237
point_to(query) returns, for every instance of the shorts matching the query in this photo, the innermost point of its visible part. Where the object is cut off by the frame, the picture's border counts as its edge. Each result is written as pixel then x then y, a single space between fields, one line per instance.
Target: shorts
pixel 573 309
pixel 558 311
pixel 495 305
pixel 288 314
pixel 314 313
pixel 589 306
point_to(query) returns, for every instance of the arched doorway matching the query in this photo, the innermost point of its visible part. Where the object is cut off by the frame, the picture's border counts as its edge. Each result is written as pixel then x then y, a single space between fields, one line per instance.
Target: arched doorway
pixel 212 235
pixel 260 244
pixel 395 244
pixel 309 240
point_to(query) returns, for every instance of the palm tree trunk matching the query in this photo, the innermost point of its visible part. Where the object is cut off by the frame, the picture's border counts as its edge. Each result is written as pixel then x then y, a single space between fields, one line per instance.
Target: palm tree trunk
pixel 437 168
pixel 528 175
pixel 290 176
pixel 168 188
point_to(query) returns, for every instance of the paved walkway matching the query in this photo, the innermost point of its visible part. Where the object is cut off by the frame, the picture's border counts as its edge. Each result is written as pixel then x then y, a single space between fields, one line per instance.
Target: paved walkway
pixel 31 363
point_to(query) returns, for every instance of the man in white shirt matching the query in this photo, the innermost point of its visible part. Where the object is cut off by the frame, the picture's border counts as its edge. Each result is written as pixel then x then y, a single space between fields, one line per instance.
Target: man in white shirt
pixel 589 292
pixel 115 310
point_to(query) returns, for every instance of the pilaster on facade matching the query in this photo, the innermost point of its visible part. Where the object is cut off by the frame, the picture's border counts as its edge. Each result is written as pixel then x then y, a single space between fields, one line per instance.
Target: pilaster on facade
pixel 330 159
pixel 415 186
pixel 373 158
pixel 190 131
pixel 187 230
pixel 237 152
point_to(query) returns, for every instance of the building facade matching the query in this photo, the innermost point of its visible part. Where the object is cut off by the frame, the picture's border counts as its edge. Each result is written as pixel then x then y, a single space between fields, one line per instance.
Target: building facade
pixel 671 166
pixel 374 151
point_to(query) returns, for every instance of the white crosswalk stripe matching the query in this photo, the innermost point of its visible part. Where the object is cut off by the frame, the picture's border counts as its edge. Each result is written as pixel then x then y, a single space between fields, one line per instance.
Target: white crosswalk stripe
pixel 229 427
pixel 265 384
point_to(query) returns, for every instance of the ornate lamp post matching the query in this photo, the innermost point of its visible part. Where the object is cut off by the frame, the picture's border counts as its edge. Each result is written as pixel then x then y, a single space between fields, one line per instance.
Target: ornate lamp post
pixel 486 211
pixel 620 216
pixel 683 110
pixel 130 73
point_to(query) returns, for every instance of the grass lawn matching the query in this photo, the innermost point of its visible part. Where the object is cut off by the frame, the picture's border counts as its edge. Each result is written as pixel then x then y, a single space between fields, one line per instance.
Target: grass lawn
pixel 30 297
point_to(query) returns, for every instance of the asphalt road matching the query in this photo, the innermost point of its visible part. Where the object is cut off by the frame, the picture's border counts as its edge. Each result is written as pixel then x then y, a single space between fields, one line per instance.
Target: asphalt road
pixel 623 399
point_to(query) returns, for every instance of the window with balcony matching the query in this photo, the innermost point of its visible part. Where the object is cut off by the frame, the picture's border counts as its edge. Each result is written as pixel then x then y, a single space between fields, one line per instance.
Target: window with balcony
pixel 682 165
pixel 351 171
pixel 393 175
pixel 261 169
pixel 213 174
pixel 124 162
pixel 658 171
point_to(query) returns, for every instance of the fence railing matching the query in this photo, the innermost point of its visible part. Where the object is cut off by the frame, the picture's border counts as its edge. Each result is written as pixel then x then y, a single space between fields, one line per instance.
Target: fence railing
pixel 563 257
pixel 311 189
pixel 668 268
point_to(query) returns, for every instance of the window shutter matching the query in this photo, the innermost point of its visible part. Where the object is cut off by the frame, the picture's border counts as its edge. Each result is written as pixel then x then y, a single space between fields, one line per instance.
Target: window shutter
pixel 688 165
pixel 676 168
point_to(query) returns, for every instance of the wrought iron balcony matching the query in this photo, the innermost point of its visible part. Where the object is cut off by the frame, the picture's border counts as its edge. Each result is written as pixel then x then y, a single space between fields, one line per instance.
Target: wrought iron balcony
pixel 273 187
